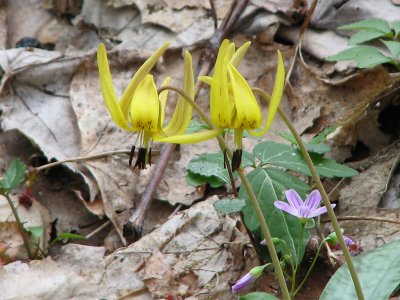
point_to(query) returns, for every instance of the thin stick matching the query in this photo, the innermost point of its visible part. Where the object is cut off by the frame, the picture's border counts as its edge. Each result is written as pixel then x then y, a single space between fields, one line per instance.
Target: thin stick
pixel 81 158
pixel 21 228
pixel 356 218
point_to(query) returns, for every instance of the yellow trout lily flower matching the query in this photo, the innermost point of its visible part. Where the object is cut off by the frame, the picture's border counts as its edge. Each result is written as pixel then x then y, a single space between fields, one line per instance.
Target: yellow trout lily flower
pixel 141 109
pixel 232 102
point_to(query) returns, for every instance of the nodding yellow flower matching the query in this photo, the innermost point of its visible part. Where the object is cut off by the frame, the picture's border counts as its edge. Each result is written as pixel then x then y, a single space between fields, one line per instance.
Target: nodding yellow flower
pixel 141 109
pixel 232 102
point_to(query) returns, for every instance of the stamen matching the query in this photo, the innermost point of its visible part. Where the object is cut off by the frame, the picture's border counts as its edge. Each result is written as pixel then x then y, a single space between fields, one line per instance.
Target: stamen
pixel 236 159
pixel 131 155
pixel 141 160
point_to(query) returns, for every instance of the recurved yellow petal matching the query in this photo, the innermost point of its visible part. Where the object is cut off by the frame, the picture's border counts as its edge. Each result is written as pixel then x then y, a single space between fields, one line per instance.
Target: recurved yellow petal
pixel 248 113
pixel 183 112
pixel 191 138
pixel 163 100
pixel 275 98
pixel 107 88
pixel 206 79
pixel 239 54
pixel 139 76
pixel 145 106
pixel 220 105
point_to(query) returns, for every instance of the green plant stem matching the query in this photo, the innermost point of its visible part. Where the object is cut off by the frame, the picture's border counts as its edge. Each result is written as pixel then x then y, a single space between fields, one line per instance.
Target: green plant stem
pixel 297 263
pixel 20 226
pixel 253 199
pixel 309 270
pixel 267 236
pixel 324 195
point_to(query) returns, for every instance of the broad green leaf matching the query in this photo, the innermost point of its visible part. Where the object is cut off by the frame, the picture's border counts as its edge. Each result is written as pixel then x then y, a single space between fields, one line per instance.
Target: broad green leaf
pixel 378 271
pixel 394 48
pixel 207 165
pixel 194 179
pixel 14 176
pixel 228 206
pixel 396 27
pixel 347 54
pixel 375 23
pixel 291 158
pixel 371 57
pixel 365 36
pixel 364 56
pixel 37 231
pixel 258 296
pixel 319 148
pixel 268 188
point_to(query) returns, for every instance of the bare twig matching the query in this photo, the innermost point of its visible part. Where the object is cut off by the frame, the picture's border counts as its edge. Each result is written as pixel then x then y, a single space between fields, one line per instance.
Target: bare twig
pixel 357 218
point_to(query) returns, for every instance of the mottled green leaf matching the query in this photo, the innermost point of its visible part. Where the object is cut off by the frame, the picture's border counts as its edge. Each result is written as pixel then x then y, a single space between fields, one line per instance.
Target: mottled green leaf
pixel 319 148
pixel 378 271
pixel 14 176
pixel 291 158
pixel 228 206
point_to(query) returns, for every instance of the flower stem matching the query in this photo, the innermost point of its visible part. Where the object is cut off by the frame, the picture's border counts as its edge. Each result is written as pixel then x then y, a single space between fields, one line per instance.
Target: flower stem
pixel 324 195
pixel 297 262
pixel 20 226
pixel 253 199
pixel 309 270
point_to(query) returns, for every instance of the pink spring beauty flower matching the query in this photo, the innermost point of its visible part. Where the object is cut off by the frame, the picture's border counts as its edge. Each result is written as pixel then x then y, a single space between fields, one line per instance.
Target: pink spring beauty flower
pixel 302 209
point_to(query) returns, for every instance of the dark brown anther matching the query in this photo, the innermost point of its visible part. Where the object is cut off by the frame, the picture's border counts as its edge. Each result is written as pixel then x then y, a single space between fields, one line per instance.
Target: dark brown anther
pixel 141 160
pixel 131 155
pixel 150 156
pixel 236 159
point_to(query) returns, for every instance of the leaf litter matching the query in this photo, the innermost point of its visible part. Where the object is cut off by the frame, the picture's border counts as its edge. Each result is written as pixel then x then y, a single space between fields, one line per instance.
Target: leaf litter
pixel 51 101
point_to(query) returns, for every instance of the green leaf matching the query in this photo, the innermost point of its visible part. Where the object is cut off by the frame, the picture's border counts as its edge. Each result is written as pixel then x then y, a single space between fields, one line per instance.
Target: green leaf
pixel 371 57
pixel 373 24
pixel 396 27
pixel 228 206
pixel 365 36
pixel 291 158
pixel 37 231
pixel 195 126
pixel 269 185
pixel 394 48
pixel 320 137
pixel 364 56
pixel 258 296
pixel 194 179
pixel 319 148
pixel 67 235
pixel 378 271
pixel 14 176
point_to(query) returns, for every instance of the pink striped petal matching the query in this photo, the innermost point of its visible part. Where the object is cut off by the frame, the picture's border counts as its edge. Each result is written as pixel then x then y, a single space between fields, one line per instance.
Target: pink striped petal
pixel 313 200
pixel 286 207
pixel 319 211
pixel 294 199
